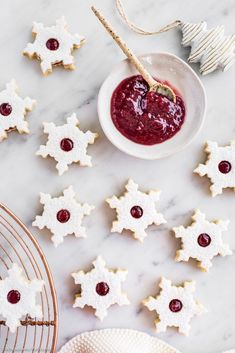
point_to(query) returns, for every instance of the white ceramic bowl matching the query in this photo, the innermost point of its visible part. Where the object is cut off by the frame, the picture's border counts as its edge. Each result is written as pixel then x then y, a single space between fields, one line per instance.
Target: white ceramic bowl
pixel 167 67
pixel 116 341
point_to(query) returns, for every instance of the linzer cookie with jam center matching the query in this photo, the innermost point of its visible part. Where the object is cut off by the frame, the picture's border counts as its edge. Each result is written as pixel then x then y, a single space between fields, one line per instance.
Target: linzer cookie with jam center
pixel 219 167
pixel 62 216
pixel 13 110
pixel 100 288
pixel 18 297
pixel 53 45
pixel 202 240
pixel 67 144
pixel 136 211
pixel 175 306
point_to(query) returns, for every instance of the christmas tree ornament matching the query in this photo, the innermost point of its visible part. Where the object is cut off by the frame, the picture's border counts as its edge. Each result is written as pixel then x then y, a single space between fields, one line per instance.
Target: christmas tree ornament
pixel 210 47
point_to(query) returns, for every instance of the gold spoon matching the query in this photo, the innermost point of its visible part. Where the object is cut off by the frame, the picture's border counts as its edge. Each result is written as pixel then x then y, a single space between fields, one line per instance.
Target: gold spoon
pixel 154 86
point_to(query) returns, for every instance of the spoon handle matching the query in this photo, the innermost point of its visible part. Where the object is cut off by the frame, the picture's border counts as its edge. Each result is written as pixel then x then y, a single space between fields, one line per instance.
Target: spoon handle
pixel 131 56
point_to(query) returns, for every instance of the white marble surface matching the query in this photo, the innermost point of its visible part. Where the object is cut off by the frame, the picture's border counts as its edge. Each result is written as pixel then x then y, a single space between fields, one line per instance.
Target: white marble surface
pixel 23 175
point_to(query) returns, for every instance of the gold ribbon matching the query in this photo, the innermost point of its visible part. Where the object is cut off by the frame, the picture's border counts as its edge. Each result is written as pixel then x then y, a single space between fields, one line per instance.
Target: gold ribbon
pixel 140 30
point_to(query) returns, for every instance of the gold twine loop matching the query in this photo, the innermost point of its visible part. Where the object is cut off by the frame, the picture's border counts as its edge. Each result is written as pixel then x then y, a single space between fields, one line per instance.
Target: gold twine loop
pixel 140 30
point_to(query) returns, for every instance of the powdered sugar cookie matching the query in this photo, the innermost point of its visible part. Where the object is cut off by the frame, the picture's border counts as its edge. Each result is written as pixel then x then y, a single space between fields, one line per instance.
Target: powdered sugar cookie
pixel 13 110
pixel 18 297
pixel 67 144
pixel 136 210
pixel 62 216
pixel 53 45
pixel 219 167
pixel 202 240
pixel 100 288
pixel 175 306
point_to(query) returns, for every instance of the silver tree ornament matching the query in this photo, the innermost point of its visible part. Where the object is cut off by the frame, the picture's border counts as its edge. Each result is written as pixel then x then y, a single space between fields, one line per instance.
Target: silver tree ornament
pixel 211 47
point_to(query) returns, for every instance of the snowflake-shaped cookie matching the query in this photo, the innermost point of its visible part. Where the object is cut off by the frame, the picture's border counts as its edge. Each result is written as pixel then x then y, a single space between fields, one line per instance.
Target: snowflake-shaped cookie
pixel 219 167
pixel 202 240
pixel 67 144
pixel 53 45
pixel 18 297
pixel 100 288
pixel 136 211
pixel 62 216
pixel 13 109
pixel 175 306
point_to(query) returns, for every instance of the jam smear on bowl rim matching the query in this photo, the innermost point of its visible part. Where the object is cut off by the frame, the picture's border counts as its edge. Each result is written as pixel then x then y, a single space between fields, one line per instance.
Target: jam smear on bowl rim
pixel 145 117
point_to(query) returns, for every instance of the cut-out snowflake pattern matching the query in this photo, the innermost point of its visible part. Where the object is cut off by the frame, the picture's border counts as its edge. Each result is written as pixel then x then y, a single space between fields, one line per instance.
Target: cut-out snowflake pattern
pixel 18 297
pixel 100 288
pixel 219 167
pixel 53 45
pixel 67 144
pixel 136 211
pixel 62 216
pixel 13 110
pixel 175 306
pixel 210 47
pixel 202 240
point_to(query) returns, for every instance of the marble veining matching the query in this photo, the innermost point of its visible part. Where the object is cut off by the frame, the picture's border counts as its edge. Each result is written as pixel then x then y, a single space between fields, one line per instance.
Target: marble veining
pixel 23 175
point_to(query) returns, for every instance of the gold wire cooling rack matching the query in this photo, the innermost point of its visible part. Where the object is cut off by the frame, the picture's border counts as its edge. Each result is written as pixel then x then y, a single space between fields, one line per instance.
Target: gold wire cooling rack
pixel 18 245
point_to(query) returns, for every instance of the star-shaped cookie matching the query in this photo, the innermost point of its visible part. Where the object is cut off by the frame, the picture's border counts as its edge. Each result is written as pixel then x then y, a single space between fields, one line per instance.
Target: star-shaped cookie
pixel 53 45
pixel 62 216
pixel 13 110
pixel 18 297
pixel 67 144
pixel 100 288
pixel 136 211
pixel 219 167
pixel 175 306
pixel 202 240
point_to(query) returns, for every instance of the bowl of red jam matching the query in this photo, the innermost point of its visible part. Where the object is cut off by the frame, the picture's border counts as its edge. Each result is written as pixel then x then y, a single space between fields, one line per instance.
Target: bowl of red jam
pixel 146 124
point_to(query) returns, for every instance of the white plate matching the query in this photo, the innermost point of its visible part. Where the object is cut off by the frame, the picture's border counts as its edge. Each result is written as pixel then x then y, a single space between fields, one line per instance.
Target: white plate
pixel 167 67
pixel 116 341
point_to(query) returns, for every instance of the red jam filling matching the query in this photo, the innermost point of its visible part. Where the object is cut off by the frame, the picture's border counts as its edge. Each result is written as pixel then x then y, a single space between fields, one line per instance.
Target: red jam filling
pixel 204 240
pixel 102 289
pixel 175 305
pixel 137 211
pixel 5 109
pixel 13 296
pixel 224 167
pixel 52 44
pixel 63 216
pixel 145 117
pixel 66 144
